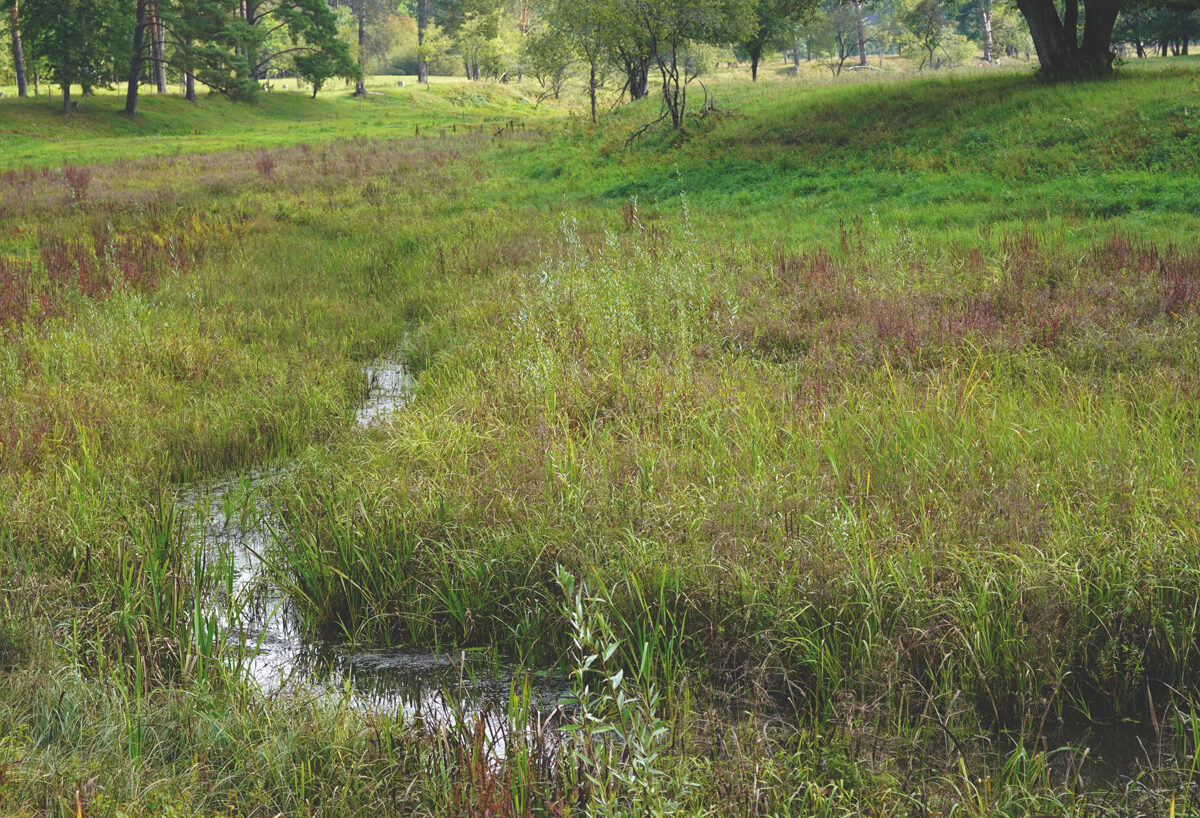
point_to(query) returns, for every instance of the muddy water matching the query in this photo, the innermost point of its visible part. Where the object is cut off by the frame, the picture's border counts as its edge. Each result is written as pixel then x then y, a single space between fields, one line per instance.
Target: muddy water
pixel 237 526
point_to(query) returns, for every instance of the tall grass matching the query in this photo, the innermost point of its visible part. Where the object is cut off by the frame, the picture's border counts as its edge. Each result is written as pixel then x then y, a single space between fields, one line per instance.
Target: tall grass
pixel 916 504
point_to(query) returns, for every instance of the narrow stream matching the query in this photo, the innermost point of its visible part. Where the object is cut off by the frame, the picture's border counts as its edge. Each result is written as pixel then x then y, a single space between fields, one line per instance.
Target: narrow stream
pixel 235 522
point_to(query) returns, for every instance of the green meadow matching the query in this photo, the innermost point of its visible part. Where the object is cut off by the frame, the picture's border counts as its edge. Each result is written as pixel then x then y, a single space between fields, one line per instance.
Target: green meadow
pixel 840 452
pixel 35 135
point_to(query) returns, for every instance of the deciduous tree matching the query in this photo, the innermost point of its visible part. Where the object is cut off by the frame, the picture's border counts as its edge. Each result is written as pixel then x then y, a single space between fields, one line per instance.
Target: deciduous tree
pixel 1076 43
pixel 422 30
pixel 669 26
pixel 772 19
pixel 549 53
pixel 587 28
pixel 70 38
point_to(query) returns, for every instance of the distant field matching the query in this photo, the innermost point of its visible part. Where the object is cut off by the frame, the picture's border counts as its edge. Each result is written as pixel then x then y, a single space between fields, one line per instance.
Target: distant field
pixel 34 133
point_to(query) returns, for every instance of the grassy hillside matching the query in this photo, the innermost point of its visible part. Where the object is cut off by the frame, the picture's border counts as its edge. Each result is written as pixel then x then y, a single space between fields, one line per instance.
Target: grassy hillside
pixel 968 150
pixel 864 415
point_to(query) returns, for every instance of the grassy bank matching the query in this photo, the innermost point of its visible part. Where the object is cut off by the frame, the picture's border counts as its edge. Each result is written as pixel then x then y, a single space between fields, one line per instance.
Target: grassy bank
pixel 866 413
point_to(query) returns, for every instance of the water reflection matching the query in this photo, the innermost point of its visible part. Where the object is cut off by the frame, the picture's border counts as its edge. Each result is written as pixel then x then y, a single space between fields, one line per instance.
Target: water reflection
pixel 236 526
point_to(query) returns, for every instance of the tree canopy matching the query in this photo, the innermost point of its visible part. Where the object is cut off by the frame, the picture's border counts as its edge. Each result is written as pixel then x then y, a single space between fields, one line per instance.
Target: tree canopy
pixel 73 39
pixel 623 49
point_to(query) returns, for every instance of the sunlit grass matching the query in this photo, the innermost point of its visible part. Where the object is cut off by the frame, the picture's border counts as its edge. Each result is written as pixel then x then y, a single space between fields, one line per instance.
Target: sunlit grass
pixel 34 133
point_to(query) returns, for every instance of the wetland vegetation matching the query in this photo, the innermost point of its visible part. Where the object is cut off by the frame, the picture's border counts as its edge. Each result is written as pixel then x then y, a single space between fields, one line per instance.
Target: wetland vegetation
pixel 835 456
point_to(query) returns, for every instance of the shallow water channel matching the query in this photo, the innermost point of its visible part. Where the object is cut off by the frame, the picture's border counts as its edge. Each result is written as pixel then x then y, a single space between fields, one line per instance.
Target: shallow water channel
pixel 236 523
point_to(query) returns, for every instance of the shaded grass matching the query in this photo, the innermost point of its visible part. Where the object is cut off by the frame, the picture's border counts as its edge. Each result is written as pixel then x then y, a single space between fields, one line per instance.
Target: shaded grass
pixel 959 154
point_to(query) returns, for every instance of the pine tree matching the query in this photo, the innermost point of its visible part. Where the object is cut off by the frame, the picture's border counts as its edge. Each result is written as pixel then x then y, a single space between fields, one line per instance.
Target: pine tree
pixel 229 45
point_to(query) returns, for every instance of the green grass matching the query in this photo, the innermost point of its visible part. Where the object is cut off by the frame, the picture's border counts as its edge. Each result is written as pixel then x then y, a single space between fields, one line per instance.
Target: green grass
pixel 797 161
pixel 866 414
pixel 34 132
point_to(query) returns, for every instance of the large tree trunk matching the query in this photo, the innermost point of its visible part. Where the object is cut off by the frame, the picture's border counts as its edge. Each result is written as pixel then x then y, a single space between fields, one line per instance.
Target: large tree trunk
pixel 755 55
pixel 249 11
pixel 637 71
pixel 422 24
pixel 18 54
pixel 1097 34
pixel 1061 52
pixel 360 87
pixel 985 24
pixel 66 99
pixel 137 60
pixel 157 52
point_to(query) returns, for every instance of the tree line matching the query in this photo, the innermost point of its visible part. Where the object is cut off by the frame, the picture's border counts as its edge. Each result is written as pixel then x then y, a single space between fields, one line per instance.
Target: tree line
pixel 633 48
pixel 226 45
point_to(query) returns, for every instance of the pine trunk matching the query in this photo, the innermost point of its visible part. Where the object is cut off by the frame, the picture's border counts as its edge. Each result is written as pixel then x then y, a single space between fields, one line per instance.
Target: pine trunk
pixel 18 54
pixel 189 77
pixel 137 60
pixel 157 52
pixel 422 24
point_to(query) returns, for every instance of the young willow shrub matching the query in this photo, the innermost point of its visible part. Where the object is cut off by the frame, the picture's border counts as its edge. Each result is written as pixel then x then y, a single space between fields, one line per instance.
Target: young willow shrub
pixel 619 738
pixel 596 308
